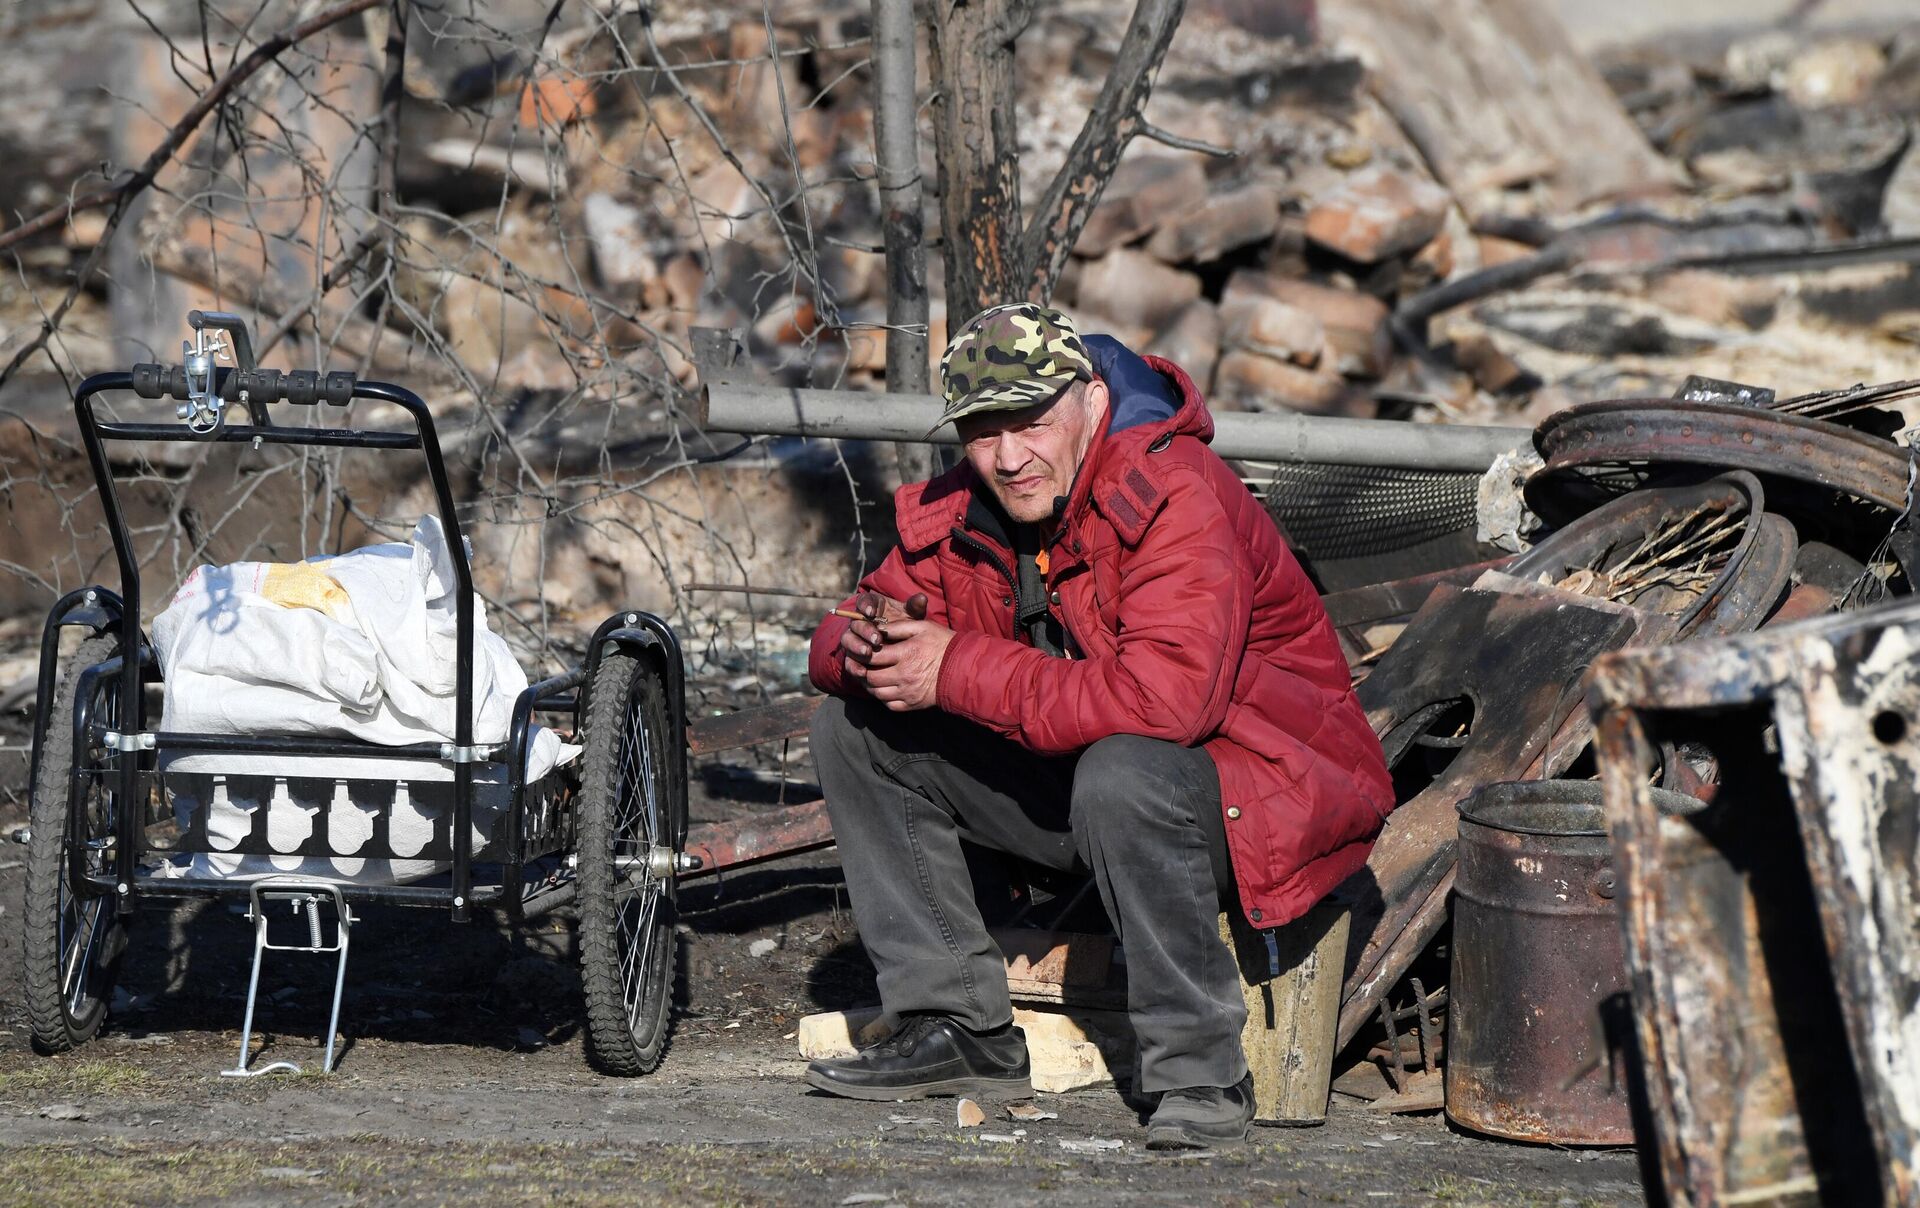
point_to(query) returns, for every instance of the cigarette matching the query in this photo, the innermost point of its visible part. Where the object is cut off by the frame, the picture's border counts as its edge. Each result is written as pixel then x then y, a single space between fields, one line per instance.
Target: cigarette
pixel 850 614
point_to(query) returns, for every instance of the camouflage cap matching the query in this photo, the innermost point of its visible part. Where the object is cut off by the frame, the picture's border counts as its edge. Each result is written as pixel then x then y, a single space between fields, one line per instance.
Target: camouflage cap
pixel 1011 356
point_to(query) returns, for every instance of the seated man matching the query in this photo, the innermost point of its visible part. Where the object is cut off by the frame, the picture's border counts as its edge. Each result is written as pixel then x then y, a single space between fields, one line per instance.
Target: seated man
pixel 1122 670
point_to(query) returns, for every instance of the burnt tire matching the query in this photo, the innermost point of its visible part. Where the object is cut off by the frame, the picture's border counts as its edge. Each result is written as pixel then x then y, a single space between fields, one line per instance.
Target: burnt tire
pixel 72 943
pixel 630 807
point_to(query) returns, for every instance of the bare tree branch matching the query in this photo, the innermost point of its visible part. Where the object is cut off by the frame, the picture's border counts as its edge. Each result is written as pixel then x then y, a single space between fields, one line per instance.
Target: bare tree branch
pixel 1110 126
pixel 129 186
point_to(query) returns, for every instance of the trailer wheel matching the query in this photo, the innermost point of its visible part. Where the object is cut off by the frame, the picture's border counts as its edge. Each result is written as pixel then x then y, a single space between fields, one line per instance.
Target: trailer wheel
pixel 631 814
pixel 73 941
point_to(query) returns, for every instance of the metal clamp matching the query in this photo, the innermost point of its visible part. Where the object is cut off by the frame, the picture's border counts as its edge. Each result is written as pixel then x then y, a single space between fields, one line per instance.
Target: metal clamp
pixel 205 411
pixel 114 740
pixel 476 754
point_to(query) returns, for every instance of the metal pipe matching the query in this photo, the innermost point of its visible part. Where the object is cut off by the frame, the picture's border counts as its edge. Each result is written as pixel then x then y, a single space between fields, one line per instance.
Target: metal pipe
pixel 768 835
pixel 896 157
pixel 1310 439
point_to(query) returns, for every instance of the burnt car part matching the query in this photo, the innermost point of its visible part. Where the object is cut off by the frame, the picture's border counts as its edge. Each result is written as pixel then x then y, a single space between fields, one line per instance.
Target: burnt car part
pixel 1469 694
pixel 1430 670
pixel 1636 433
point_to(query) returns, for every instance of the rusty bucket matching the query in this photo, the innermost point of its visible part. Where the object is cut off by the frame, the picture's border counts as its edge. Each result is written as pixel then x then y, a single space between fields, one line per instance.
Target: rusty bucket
pixel 1539 1032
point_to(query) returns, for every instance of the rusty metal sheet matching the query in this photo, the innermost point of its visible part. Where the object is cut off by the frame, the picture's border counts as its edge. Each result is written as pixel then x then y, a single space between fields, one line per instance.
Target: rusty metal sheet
pixel 1358 612
pixel 1516 659
pixel 1770 934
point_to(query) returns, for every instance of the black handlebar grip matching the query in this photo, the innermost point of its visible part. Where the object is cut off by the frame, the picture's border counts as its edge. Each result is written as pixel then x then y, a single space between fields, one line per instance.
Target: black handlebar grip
pixel 302 387
pixel 260 385
pixel 150 380
pixel 159 381
pixel 338 390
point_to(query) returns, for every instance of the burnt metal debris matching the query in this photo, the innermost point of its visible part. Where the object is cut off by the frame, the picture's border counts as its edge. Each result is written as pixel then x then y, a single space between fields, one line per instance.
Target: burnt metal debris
pixel 1470 694
pixel 1771 957
pixel 1662 432
pixel 1539 1024
pixel 1770 930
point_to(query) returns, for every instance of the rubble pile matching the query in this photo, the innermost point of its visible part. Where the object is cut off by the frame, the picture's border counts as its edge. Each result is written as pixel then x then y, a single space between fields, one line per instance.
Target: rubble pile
pixel 564 211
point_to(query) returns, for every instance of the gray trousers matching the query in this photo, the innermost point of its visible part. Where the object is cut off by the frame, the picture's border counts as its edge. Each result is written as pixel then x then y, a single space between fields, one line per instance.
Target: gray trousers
pixel 906 790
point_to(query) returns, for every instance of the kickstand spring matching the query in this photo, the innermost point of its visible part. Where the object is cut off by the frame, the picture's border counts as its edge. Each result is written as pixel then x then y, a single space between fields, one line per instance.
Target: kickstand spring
pixel 304 895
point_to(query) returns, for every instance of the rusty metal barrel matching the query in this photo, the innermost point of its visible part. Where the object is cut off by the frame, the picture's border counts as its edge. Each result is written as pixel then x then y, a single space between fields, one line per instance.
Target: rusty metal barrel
pixel 1539 1029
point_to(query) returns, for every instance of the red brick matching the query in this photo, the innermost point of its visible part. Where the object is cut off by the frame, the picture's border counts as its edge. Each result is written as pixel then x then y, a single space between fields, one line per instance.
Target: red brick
pixel 1377 213
pixel 1356 323
pixel 1222 223
pixel 1247 381
pixel 1274 328
pixel 1143 191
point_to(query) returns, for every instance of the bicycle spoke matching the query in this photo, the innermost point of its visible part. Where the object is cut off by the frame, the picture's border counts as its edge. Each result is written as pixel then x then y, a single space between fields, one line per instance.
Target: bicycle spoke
pixel 77 971
pixel 642 962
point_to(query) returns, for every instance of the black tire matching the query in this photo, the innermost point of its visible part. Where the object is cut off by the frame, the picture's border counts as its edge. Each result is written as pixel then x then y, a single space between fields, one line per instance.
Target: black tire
pixel 73 943
pixel 630 802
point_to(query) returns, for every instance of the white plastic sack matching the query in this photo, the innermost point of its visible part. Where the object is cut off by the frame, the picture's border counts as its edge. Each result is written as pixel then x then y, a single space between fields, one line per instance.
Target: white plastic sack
pixel 361 645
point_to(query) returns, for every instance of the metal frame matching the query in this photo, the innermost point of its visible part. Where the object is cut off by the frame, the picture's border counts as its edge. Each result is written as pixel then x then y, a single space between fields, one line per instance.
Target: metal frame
pixel 131 750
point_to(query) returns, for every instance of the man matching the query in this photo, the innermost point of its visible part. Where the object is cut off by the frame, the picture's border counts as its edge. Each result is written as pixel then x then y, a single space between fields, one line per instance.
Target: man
pixel 1122 670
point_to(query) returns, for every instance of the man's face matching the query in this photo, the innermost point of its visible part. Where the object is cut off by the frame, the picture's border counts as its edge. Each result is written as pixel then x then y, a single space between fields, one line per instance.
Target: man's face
pixel 1028 457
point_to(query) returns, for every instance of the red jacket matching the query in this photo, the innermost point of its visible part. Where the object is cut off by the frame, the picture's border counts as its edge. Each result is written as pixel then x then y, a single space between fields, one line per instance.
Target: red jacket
pixel 1194 624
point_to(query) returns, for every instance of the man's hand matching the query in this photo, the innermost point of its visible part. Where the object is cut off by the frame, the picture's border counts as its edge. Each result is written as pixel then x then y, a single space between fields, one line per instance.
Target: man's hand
pixel 862 638
pixel 904 673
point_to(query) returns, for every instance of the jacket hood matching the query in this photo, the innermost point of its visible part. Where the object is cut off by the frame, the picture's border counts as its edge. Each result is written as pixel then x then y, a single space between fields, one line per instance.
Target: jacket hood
pixel 1151 399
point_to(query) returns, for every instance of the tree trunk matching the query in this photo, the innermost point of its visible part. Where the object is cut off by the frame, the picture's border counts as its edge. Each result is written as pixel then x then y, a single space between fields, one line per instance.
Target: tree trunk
pixel 974 139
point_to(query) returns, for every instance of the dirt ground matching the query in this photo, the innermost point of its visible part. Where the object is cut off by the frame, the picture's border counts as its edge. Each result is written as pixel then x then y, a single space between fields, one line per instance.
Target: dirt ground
pixel 466 1080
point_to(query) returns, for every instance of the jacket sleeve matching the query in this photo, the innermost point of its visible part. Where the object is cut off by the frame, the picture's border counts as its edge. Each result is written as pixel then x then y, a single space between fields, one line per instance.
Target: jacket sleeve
pixel 897 576
pixel 1186 601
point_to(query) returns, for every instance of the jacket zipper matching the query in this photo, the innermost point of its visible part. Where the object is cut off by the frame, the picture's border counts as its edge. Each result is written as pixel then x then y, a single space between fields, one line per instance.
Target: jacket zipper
pixel 962 537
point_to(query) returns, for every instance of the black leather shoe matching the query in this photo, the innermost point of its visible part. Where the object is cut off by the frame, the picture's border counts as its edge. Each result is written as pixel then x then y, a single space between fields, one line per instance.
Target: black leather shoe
pixel 1202 1117
pixel 930 1055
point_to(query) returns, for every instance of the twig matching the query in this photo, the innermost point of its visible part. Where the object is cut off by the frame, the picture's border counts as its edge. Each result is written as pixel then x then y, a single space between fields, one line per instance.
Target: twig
pixel 342 266
pixel 1181 142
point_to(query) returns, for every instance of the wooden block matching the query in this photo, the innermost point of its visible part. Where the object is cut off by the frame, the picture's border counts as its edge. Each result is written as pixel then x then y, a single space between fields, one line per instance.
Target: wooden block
pixel 1292 1015
pixel 1069 1048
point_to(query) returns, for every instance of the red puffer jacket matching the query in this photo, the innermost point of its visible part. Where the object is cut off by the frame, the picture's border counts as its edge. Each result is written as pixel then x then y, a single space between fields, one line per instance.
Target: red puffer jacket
pixel 1194 624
